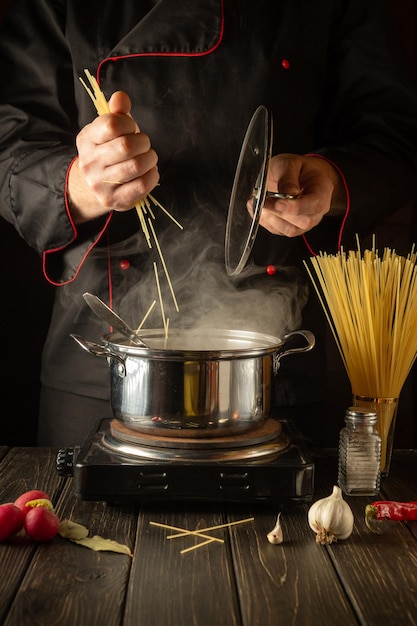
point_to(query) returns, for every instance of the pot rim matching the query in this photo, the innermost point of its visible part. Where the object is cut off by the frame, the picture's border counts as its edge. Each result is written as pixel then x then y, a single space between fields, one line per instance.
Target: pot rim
pixel 255 344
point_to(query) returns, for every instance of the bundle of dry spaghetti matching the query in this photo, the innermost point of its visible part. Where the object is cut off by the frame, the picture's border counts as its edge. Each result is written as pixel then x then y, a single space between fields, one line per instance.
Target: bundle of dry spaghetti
pixel 143 206
pixel 371 305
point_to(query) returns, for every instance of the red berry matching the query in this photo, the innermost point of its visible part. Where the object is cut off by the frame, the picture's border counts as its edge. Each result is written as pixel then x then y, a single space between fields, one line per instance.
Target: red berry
pixel 11 520
pixel 271 270
pixel 41 524
pixel 28 496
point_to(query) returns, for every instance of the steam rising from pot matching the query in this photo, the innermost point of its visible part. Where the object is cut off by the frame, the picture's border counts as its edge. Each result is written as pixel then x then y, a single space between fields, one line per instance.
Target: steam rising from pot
pixel 207 296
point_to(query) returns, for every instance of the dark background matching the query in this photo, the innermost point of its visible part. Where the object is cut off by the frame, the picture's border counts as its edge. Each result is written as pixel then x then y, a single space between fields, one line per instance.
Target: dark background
pixel 27 297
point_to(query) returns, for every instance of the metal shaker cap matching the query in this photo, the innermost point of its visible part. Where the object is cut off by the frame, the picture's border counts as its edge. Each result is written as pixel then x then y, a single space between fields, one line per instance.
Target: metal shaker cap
pixel 360 414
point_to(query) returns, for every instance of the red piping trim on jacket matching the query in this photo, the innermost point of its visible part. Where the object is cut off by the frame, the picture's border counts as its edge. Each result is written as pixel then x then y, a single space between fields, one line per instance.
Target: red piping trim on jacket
pixel 161 54
pixel 167 54
pixel 44 257
pixel 347 210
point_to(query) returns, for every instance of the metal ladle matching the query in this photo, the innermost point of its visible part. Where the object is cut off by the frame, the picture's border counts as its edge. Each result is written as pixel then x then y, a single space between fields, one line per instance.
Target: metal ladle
pixel 108 315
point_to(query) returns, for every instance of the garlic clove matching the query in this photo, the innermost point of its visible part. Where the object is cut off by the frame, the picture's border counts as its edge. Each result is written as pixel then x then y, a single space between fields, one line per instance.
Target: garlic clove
pixel 331 518
pixel 276 536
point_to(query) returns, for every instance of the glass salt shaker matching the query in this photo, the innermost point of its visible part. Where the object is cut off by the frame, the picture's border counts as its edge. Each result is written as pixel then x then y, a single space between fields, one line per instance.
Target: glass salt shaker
pixel 359 471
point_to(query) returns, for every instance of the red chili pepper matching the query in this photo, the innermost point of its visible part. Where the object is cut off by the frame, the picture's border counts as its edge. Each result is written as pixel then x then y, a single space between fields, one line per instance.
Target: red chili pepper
pixel 390 510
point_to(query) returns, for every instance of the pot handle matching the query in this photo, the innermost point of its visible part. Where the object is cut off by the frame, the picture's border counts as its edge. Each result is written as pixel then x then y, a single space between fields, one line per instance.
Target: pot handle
pixel 308 336
pixel 97 350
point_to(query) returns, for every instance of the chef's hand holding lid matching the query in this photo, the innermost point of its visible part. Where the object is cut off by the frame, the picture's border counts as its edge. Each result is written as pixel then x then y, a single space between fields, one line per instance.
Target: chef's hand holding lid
pixel 116 165
pixel 318 189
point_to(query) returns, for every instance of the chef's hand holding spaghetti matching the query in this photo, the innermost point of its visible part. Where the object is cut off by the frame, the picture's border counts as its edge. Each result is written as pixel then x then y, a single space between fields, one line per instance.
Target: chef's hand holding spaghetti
pixel 116 165
pixel 317 186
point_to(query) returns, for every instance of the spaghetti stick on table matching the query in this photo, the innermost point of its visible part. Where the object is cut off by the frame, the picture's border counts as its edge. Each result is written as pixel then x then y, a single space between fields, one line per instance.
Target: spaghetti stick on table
pixel 197 545
pixel 203 533
pixel 210 528
pixel 185 533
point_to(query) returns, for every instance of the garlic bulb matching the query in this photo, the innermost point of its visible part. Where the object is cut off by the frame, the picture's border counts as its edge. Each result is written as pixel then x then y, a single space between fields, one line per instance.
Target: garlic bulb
pixel 276 536
pixel 331 518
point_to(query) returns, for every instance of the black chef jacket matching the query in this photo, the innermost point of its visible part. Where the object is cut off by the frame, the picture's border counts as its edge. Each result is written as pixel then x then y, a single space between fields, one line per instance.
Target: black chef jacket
pixel 195 70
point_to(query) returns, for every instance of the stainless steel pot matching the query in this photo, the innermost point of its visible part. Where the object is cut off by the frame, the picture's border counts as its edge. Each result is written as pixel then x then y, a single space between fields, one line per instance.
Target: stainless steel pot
pixel 194 384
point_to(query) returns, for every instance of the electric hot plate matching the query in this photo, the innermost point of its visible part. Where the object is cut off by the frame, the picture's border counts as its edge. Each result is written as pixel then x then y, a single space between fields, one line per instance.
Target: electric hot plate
pixel 267 463
pixel 117 464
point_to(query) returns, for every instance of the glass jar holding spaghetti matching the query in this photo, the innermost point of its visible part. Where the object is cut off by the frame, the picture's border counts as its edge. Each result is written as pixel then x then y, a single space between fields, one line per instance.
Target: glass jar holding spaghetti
pixel 370 303
pixel 386 411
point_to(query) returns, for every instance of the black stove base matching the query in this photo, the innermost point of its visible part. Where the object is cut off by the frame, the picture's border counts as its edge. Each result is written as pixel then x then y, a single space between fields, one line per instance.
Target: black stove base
pixel 103 474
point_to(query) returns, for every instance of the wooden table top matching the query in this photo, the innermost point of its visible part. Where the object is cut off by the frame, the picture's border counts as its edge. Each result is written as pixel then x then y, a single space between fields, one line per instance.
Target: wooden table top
pixel 368 579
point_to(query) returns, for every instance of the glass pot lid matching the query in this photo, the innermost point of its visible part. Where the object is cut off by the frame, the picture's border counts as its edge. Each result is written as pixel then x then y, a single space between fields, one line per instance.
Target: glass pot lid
pixel 249 186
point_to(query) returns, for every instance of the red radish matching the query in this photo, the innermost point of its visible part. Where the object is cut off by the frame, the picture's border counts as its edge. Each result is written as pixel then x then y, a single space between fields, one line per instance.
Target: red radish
pixel 11 520
pixel 28 496
pixel 41 524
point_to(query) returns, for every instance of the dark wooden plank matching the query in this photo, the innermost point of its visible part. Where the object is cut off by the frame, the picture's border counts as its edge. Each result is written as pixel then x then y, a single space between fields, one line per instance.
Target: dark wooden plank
pixel 14 559
pixel 290 583
pixel 401 485
pixel 377 571
pixel 22 469
pixel 69 584
pixel 371 572
pixel 403 474
pixel 368 579
pixel 174 589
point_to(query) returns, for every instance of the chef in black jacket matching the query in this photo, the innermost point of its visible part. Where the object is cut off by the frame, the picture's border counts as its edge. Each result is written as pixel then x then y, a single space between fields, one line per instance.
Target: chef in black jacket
pixel 189 74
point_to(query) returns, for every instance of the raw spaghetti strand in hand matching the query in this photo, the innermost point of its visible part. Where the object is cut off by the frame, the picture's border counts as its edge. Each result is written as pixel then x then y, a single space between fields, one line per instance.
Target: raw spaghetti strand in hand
pixel 143 206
